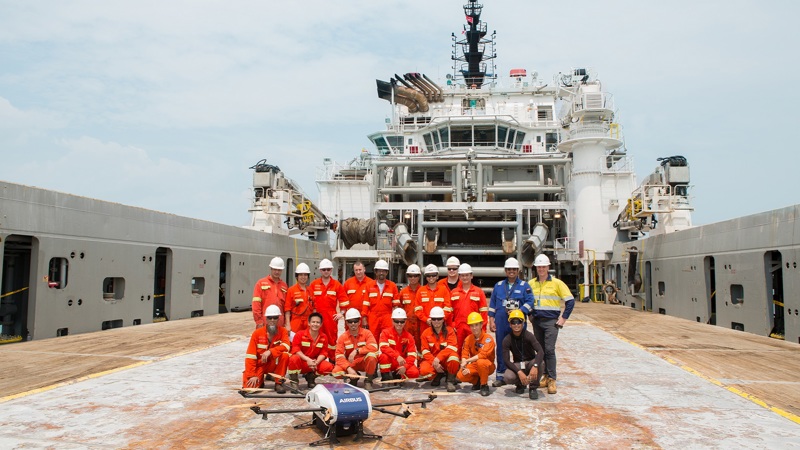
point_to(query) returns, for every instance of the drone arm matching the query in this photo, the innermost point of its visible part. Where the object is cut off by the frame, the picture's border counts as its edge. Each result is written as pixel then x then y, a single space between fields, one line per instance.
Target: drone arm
pixel 403 414
pixel 265 412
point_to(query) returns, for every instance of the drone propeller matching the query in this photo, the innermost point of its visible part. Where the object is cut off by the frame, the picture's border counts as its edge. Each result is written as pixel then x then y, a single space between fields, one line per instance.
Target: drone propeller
pixel 405 409
pixel 403 380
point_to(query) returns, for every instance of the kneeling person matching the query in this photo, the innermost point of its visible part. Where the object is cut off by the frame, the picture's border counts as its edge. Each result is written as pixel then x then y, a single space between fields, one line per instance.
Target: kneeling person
pixel 527 353
pixel 310 352
pixel 268 352
pixel 477 356
pixel 439 351
pixel 356 350
pixel 398 350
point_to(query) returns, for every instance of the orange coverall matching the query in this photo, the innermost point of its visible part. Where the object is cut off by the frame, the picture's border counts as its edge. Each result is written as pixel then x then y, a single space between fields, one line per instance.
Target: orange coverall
pixel 268 292
pixel 325 298
pixel 277 351
pixel 393 345
pixel 407 300
pixel 312 348
pixel 443 283
pixel 378 306
pixel 441 347
pixel 356 292
pixel 465 302
pixel 367 358
pixel 479 370
pixel 298 302
pixel 427 299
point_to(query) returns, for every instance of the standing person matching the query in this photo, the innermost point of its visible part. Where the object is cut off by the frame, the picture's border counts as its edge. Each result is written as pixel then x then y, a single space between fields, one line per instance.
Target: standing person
pixel 298 301
pixel 355 287
pixel 382 297
pixel 429 296
pixel 451 281
pixel 398 356
pixel 327 294
pixel 268 352
pixel 549 292
pixel 408 297
pixel 507 295
pixel 527 356
pixel 439 351
pixel 356 350
pixel 310 352
pixel 466 299
pixel 270 290
pixel 477 356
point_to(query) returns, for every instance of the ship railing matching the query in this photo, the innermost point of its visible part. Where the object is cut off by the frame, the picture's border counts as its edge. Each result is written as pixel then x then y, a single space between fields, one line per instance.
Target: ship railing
pixel 333 170
pixel 593 101
pixel 582 130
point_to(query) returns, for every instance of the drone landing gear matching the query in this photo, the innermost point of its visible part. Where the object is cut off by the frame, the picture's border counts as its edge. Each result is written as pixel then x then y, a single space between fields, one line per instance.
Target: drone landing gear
pixel 335 430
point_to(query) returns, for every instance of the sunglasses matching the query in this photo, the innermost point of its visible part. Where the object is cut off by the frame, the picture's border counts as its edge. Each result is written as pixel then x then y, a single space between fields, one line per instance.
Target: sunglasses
pixel 325 270
pixel 436 318
pixel 412 276
pixel 399 321
pixel 353 321
pixel 451 269
pixel 272 317
pixel 431 276
pixel 516 322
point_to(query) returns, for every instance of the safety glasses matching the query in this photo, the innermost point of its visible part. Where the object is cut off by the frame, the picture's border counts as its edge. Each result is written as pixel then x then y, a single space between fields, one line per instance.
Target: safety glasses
pixel 353 320
pixel 272 317
pixel 399 322
pixel 516 322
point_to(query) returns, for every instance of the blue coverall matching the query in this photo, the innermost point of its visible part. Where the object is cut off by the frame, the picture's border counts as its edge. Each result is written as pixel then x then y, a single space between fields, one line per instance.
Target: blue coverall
pixel 504 300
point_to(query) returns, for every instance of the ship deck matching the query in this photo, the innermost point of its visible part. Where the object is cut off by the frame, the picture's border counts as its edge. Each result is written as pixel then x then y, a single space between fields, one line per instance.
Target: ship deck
pixel 626 379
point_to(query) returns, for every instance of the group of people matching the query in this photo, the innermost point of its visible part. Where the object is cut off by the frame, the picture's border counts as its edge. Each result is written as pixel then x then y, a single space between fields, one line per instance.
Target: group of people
pixel 439 329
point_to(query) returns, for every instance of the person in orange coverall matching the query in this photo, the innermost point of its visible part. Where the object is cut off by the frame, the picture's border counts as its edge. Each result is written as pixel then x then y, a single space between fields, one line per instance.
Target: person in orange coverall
pixel 477 356
pixel 267 353
pixel 298 301
pixel 430 296
pixel 451 280
pixel 355 288
pixel 270 290
pixel 356 350
pixel 439 351
pixel 408 296
pixel 382 297
pixel 327 295
pixel 398 350
pixel 310 352
pixel 467 298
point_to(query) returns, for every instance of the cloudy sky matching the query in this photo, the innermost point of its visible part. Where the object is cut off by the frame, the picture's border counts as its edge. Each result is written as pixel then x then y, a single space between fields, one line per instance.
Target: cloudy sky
pixel 166 105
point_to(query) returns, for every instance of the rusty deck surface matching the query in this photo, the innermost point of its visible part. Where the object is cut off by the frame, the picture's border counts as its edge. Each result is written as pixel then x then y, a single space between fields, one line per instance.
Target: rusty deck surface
pixel 626 380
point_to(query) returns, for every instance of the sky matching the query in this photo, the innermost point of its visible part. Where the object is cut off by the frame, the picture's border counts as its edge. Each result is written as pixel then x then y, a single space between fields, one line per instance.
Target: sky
pixel 166 105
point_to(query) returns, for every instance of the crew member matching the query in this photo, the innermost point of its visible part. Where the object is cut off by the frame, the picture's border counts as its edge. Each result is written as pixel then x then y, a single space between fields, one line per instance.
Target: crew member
pixel 522 355
pixel 327 294
pixel 611 289
pixel 477 356
pixel 429 296
pixel 356 350
pixel 466 298
pixel 298 302
pixel 355 287
pixel 382 297
pixel 439 351
pixel 310 352
pixel 398 356
pixel 507 295
pixel 270 290
pixel 408 296
pixel 549 292
pixel 451 281
pixel 267 353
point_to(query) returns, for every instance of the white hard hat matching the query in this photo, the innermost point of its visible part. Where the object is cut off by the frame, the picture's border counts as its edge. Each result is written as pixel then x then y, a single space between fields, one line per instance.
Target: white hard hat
pixel 541 260
pixel 436 313
pixel 430 268
pixel 464 268
pixel 413 270
pixel 381 265
pixel 277 263
pixel 512 263
pixel 302 268
pixel 352 313
pixel 272 310
pixel 452 261
pixel 399 314
pixel 326 264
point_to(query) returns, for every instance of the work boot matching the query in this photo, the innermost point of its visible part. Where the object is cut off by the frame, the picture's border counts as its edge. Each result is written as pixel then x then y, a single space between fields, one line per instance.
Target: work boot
pixel 346 380
pixel 485 390
pixel 498 382
pixel 532 393
pixel 295 379
pixel 543 381
pixel 368 382
pixel 279 388
pixel 437 379
pixel 310 379
pixel 551 386
pixel 476 386
pixel 519 388
pixel 451 382
pixel 386 376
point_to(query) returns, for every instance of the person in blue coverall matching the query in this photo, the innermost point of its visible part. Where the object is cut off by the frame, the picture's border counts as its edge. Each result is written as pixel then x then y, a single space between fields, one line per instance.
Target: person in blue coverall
pixel 507 295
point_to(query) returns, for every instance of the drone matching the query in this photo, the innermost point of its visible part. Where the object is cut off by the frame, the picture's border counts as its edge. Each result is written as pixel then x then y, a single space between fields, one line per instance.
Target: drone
pixel 338 409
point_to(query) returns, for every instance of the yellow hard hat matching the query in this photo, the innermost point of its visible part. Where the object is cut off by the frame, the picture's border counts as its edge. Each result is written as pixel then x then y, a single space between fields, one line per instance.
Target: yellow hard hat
pixel 474 318
pixel 516 314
